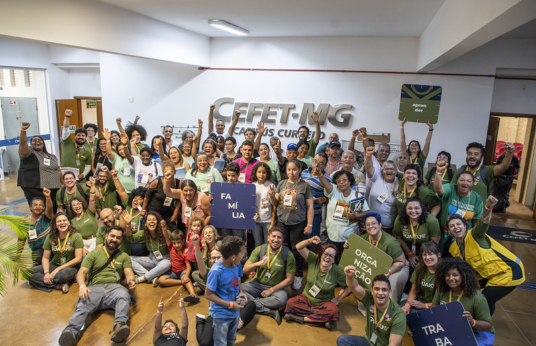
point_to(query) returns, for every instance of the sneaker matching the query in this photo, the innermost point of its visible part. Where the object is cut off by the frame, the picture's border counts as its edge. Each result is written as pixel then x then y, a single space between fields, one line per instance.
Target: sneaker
pixel 199 291
pixel 328 325
pixel 137 280
pixel 30 284
pixel 155 282
pixel 361 309
pixel 65 288
pixel 274 313
pixel 121 333
pixel 67 338
pixel 200 316
pixel 191 299
pixel 297 283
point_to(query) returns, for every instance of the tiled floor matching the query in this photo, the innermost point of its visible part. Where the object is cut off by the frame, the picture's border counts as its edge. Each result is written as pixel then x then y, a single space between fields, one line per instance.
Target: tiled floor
pixel 31 317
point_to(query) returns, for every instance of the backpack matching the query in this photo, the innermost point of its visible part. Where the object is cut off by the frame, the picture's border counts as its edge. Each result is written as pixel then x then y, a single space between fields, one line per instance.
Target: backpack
pixel 285 253
pixel 78 188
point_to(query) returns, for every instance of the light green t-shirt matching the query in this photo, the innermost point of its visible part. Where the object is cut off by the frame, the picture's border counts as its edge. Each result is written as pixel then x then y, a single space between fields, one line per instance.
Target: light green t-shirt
pixel 326 282
pixel 205 179
pixel 73 242
pixel 451 201
pixel 308 160
pixel 479 187
pixel 97 258
pixel 426 293
pixel 394 321
pixel 423 233
pixel 274 167
pixel 277 269
pixel 127 181
pixel 87 225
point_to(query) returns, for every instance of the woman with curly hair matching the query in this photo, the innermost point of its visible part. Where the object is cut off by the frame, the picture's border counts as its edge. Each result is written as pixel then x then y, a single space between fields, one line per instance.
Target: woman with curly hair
pixel 413 227
pixel 66 245
pixel 138 133
pixel 157 263
pixel 455 279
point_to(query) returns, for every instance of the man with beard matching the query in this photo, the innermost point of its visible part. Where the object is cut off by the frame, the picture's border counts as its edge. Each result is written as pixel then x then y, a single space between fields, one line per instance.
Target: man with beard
pixel 275 266
pixel 334 157
pixel 110 218
pixel 105 266
pixel 303 134
pixel 386 321
pixel 106 188
pixel 69 191
pixel 75 154
pixel 484 175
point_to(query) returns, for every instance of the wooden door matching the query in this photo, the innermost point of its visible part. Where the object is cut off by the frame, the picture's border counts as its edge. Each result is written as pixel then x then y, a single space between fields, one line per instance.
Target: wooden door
pixel 491 139
pixel 61 106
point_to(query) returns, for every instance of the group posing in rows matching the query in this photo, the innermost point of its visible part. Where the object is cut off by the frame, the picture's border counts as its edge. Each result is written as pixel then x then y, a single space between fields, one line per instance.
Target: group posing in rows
pixel 117 213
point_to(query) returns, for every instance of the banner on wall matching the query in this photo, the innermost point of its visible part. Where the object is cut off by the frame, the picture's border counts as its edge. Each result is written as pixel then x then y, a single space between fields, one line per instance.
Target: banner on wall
pixel 232 206
pixel 420 103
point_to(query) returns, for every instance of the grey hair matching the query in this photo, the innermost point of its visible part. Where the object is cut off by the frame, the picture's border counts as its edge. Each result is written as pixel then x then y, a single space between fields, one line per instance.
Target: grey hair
pixel 186 132
pixel 386 162
pixel 350 152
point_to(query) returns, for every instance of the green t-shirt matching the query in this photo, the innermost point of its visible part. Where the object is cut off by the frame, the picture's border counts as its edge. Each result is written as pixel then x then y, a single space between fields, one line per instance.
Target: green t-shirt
pixel 74 242
pixel 388 244
pixel 97 258
pixel 87 225
pixel 277 270
pixel 426 293
pixel 479 187
pixel 423 233
pixel 110 197
pixel 477 305
pixel 68 196
pixel 326 282
pixel 204 179
pixel 427 196
pixel 312 148
pixel 127 181
pixel 421 160
pixel 153 245
pixel 73 157
pixel 451 201
pixel 90 147
pixel 431 175
pixel 394 321
pixel 308 160
pixel 125 242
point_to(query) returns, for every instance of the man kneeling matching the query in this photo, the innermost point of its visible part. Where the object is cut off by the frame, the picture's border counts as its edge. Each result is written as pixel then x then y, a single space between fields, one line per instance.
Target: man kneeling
pixel 105 266
pixel 276 267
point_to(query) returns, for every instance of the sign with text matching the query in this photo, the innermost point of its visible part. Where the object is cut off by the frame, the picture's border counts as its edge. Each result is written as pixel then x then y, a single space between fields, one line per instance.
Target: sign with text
pixel 420 103
pixel 368 260
pixel 441 326
pixel 232 206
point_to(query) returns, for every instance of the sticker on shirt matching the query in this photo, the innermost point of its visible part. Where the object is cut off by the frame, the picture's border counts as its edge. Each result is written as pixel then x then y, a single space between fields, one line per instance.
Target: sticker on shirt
pixel 265 203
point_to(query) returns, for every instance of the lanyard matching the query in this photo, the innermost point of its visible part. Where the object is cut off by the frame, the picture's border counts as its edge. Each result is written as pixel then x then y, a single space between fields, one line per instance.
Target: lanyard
pixel 130 213
pixel 139 147
pixel 112 262
pixel 370 239
pixel 325 278
pixel 91 146
pixel 475 172
pixel 443 176
pixel 406 190
pixel 277 254
pixel 64 243
pixel 416 159
pixel 414 232
pixel 103 194
pixel 377 324
pixel 450 296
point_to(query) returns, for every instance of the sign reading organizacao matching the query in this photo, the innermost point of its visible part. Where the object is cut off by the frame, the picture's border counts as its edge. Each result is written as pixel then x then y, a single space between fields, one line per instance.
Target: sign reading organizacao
pixel 279 113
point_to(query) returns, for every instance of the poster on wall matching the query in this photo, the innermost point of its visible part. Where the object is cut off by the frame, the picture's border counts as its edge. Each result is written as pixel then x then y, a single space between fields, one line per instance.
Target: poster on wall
pixel 420 103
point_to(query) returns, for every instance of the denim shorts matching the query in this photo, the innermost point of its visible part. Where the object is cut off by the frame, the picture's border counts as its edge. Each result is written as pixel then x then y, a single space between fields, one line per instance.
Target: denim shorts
pixel 177 276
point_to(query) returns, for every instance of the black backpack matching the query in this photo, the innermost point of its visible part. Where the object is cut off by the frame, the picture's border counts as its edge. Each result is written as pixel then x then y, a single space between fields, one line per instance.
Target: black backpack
pixel 481 172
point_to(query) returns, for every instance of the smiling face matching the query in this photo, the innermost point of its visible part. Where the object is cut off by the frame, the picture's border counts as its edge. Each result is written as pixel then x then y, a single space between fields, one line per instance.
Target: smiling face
pixel 145 158
pixel 348 160
pixel 37 143
pixel 37 207
pixel 414 210
pixel 302 150
pixel 230 146
pixel 410 177
pixel 113 239
pixel 202 163
pixel 237 258
pixel 102 178
pixel 136 136
pixel 90 132
pixel 380 292
pixel 121 150
pixel 107 216
pixel 402 160
pixel 264 152
pixel 303 133
pixel 319 163
pixel 373 226
pixel 168 132
pixel 62 223
pixel 414 147
pixel 453 278
pixel 208 149
pixel 208 234
pixel 186 149
pixel 275 239
pixel 247 152
pixel 457 228
pixel 215 256
pixel 220 126
pixel 430 259
pixel 151 223
pixel 465 183
pixel 114 138
pixel 136 201
pixel 474 157
pixel 328 257
pixel 80 138
pixel 343 184
pixel 389 172
pixel 383 153
pixel 102 145
pixel 77 207
pixel 292 154
pixel 169 328
pixel 174 155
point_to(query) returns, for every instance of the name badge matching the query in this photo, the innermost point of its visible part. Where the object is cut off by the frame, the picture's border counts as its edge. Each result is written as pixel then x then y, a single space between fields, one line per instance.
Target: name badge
pixel 373 338
pixel 46 162
pixel 461 213
pixel 78 162
pixel 242 177
pixel 414 248
pixel 268 275
pixel 144 179
pixel 167 201
pixel 63 260
pixel 383 197
pixel 117 275
pixel 188 212
pixel 204 188
pixel 314 290
pixel 32 234
pixel 158 255
pixel 126 171
pixel 339 210
pixel 287 200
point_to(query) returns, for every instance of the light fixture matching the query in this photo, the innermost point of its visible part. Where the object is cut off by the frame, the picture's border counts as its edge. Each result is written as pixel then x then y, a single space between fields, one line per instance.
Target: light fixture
pixel 223 25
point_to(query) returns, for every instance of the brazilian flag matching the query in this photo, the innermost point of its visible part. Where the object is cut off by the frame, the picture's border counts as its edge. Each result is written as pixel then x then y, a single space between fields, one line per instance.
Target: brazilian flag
pixel 420 103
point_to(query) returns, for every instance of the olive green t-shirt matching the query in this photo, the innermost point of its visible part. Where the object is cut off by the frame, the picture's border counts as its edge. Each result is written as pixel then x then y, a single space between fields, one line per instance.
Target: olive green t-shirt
pixel 477 305
pixel 135 223
pixel 125 242
pixel 67 198
pixel 97 258
pixel 479 187
pixel 277 269
pixel 73 242
pixel 388 244
pixel 326 282
pixel 153 245
pixel 110 197
pixel 426 292
pixel 394 321
pixel 87 225
pixel 73 157
pixel 445 177
pixel 420 161
pixel 427 196
pixel 423 233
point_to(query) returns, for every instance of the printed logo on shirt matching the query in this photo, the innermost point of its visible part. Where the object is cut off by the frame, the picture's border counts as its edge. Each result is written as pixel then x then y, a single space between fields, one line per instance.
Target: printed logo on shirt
pixel 235 282
pixel 209 181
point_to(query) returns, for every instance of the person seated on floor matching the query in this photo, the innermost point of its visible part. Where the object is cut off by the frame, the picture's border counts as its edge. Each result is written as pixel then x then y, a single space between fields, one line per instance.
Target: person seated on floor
pixel 499 269
pixel 38 225
pixel 180 266
pixel 386 322
pixel 84 219
pixel 110 219
pixel 105 266
pixel 317 306
pixel 170 334
pixel 65 244
pixel 275 267
pixel 208 242
pixel 455 279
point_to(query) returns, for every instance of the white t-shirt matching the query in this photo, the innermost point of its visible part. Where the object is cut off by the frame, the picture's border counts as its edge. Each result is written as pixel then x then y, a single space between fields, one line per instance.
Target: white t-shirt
pixel 377 168
pixel 145 174
pixel 338 226
pixel 360 181
pixel 387 209
pixel 225 134
pixel 173 144
pixel 262 202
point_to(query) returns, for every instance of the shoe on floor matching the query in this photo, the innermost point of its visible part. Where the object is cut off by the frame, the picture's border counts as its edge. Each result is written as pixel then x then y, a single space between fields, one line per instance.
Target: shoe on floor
pixel 67 338
pixel 121 333
pixel 294 318
pixel 137 280
pixel 65 288
pixel 274 313
pixel 328 325
pixel 297 283
pixel 155 282
pixel 192 299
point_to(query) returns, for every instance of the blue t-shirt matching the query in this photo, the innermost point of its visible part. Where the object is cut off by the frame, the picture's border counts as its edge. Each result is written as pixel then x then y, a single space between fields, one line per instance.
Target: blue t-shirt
pixel 318 189
pixel 225 282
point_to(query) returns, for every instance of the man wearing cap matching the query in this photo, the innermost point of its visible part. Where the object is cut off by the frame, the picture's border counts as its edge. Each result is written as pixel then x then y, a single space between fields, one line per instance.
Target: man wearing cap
pixel 292 154
pixel 334 157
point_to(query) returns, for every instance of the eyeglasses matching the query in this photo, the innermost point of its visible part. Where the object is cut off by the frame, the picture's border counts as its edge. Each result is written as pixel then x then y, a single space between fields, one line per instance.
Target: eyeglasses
pixel 77 204
pixel 327 255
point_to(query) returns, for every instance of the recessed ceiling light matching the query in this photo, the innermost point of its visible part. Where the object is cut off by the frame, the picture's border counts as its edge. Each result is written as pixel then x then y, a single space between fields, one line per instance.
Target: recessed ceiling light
pixel 223 25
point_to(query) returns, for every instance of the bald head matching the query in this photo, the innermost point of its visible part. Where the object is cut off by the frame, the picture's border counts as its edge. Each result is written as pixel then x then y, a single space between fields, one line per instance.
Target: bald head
pixel 107 216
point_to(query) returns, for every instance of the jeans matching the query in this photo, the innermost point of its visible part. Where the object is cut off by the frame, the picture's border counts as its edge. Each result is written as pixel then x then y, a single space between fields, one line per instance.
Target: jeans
pixel 112 296
pixel 293 234
pixel 253 290
pixel 352 340
pixel 225 331
pixel 63 276
pixel 260 233
pixel 316 225
pixel 150 266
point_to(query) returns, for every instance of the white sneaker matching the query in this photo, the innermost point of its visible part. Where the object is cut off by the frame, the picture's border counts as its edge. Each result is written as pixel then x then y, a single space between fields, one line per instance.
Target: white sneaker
pixel 297 283
pixel 65 288
pixel 361 309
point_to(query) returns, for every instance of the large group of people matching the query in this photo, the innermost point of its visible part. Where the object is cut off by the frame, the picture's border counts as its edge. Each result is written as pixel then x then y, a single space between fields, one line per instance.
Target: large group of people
pixel 115 212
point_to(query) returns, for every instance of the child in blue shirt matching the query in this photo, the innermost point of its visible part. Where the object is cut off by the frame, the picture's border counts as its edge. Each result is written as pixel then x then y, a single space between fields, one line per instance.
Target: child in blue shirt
pixel 224 291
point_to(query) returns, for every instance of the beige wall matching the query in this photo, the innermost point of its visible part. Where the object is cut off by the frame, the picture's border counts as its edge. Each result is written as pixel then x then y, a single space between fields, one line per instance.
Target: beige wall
pixel 513 129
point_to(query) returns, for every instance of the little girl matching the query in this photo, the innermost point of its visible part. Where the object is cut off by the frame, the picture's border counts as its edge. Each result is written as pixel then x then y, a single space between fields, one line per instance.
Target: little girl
pixel 196 225
pixel 264 216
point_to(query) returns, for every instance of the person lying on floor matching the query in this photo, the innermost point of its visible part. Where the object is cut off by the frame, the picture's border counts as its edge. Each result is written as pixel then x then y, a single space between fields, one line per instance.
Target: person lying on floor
pixel 170 334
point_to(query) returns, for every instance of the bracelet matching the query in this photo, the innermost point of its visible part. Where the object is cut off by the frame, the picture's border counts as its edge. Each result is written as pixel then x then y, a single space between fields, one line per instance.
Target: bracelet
pixel 353 136
pixel 430 129
pixel 390 272
pixel 108 141
pixel 199 248
pixel 439 173
pixel 47 197
pixel 488 209
pixel 23 130
pixel 115 178
pixel 368 155
pixel 410 253
pixel 159 312
pixel 426 306
pixel 169 179
pixel 272 289
pixel 401 127
pixel 474 323
pixel 308 241
pixel 45 271
pixel 81 287
pixel 67 116
pixel 230 305
pixel 365 137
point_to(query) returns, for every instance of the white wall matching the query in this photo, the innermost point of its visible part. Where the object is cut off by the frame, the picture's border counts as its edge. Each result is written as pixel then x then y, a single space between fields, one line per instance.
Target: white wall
pixel 514 96
pixel 84 82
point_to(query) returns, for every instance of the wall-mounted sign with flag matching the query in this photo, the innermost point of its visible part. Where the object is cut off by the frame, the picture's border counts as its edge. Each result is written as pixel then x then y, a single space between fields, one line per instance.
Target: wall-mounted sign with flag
pixel 420 103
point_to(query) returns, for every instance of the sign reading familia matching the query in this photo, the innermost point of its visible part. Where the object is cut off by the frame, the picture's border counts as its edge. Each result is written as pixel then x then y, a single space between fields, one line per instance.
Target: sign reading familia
pixel 368 260
pixel 232 206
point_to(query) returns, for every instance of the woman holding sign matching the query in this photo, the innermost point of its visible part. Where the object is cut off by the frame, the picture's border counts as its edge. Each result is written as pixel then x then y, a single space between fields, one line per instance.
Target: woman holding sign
pixel 455 279
pixel 345 208
pixel 416 155
pixel 125 172
pixel 193 203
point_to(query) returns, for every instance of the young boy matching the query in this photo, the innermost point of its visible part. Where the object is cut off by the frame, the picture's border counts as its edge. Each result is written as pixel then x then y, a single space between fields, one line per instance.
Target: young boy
pixel 180 266
pixel 224 291
pixel 196 227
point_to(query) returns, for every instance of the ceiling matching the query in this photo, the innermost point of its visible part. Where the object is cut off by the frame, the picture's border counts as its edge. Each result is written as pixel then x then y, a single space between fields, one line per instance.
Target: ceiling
pixel 525 31
pixel 407 18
